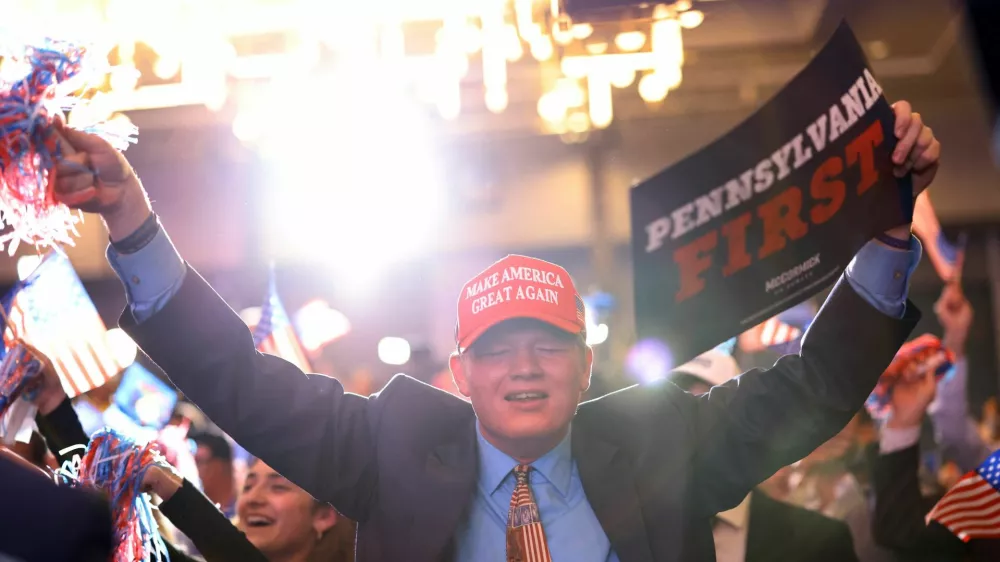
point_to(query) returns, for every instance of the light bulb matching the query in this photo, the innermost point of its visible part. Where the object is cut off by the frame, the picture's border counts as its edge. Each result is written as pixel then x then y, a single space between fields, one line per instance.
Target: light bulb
pixel 581 31
pixel 542 49
pixel 630 41
pixel 496 100
pixel 622 76
pixel 394 351
pixel 570 92
pixel 692 19
pixel 550 107
pixel 671 76
pixel 653 88
pixel 166 67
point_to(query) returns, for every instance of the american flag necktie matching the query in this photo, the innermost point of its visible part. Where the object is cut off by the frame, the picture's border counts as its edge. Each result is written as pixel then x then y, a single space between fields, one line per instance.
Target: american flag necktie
pixel 525 536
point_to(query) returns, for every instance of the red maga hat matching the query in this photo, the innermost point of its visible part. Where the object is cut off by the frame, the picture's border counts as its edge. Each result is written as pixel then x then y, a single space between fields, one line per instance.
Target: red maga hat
pixel 518 287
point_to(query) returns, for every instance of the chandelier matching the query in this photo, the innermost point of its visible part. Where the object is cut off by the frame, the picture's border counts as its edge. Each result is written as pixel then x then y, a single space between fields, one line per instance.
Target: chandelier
pixel 170 53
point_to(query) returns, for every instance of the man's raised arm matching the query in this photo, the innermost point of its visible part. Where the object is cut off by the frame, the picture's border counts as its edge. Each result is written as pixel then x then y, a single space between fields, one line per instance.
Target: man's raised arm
pixel 768 418
pixel 305 426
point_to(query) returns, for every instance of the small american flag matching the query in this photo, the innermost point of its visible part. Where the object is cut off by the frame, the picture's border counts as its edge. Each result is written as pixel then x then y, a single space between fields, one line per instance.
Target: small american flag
pixel 52 311
pixel 274 333
pixel 581 310
pixel 971 509
pixel 775 332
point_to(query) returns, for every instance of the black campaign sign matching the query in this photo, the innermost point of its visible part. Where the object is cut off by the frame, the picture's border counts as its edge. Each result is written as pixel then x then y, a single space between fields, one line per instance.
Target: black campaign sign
pixel 771 213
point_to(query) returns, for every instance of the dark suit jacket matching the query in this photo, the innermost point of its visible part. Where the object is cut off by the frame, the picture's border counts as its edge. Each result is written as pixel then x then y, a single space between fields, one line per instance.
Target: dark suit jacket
pixel 900 510
pixel 42 522
pixel 656 463
pixel 782 532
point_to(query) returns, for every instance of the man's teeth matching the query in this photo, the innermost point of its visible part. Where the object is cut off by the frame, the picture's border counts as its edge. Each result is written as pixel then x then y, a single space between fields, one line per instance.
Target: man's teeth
pixel 258 520
pixel 527 396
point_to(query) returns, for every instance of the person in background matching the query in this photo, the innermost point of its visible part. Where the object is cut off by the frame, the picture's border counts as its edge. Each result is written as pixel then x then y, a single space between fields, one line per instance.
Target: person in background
pixel 287 524
pixel 214 457
pixel 35 452
pixel 955 432
pixel 762 528
pixel 899 507
pixel 187 509
pixel 833 481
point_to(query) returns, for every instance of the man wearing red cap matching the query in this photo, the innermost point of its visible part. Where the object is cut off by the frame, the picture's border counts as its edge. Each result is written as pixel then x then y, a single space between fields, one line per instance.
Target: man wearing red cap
pixel 525 472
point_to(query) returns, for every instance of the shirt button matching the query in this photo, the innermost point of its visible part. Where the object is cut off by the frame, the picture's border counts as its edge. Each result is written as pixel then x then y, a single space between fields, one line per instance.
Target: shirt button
pixel 896 275
pixel 135 280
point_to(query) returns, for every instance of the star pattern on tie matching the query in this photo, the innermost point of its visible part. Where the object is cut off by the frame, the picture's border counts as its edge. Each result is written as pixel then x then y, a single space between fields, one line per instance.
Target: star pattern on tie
pixel 525 536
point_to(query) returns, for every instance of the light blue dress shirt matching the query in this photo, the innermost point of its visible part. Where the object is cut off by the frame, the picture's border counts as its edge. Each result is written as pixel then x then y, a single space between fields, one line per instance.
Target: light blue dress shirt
pixel 571 527
pixel 878 273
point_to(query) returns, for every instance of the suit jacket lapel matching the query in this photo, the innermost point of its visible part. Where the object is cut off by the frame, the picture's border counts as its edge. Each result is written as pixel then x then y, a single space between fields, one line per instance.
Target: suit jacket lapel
pixel 452 470
pixel 606 475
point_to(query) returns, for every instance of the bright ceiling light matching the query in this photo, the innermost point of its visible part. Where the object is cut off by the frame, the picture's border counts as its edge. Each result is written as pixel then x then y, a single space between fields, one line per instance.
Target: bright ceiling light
pixel 394 351
pixel 597 335
pixel 653 87
pixel 691 19
pixel 356 185
pixel 630 41
pixel 317 325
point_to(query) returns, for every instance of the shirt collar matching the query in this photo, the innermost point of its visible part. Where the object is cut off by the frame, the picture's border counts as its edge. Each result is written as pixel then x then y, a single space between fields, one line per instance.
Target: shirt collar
pixel 737 516
pixel 556 466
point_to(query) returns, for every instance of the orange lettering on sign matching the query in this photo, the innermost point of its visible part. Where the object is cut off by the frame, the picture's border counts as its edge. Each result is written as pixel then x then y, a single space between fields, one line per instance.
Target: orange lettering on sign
pixel 862 149
pixel 693 260
pixel 735 232
pixel 781 218
pixel 826 186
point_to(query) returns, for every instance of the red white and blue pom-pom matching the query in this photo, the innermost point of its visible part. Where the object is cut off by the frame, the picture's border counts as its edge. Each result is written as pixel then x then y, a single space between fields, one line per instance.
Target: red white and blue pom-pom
pixel 924 352
pixel 19 368
pixel 46 78
pixel 117 464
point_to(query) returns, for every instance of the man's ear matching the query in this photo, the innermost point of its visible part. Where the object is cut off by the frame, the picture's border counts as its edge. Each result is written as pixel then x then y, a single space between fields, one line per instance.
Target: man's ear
pixel 324 518
pixel 458 373
pixel 588 359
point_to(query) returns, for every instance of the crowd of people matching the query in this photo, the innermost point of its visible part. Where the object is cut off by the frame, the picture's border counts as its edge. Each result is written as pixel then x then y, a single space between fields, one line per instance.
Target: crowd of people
pixel 777 463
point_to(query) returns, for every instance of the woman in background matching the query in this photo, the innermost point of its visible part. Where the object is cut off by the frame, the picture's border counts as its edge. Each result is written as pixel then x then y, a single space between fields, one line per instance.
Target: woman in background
pixel 286 524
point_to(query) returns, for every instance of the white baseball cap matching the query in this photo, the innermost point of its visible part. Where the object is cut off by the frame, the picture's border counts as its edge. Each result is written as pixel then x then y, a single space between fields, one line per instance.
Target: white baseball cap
pixel 713 367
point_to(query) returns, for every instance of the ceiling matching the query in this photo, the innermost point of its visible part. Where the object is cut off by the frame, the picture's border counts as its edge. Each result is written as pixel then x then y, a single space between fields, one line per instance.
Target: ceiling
pixel 742 53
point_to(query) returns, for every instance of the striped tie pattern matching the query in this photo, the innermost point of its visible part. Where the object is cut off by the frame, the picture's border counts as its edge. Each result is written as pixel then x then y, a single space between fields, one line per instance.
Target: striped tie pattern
pixel 525 536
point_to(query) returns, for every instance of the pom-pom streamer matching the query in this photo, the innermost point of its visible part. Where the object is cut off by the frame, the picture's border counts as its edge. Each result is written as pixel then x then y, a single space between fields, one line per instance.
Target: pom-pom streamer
pixel 916 353
pixel 18 369
pixel 117 464
pixel 29 147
